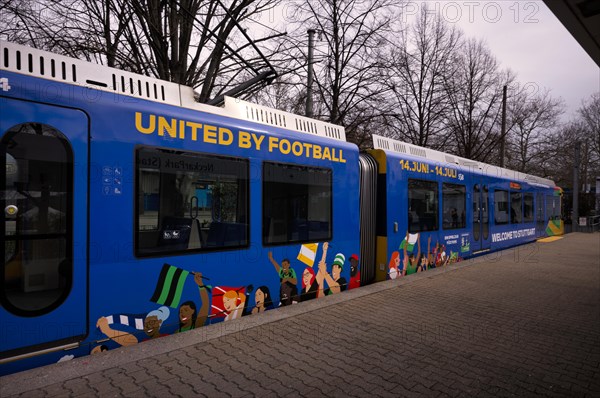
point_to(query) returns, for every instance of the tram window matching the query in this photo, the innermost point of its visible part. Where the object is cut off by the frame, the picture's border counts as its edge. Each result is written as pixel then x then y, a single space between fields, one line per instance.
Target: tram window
pixel 528 207
pixel 189 201
pixel 500 207
pixel 516 208
pixel 422 205
pixel 38 200
pixel 297 204
pixel 539 207
pixel 454 205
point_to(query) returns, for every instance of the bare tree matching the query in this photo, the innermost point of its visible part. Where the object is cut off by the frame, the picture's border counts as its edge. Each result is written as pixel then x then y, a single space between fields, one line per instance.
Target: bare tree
pixel 87 29
pixel 284 94
pixel 418 67
pixel 532 116
pixel 559 149
pixel 348 57
pixel 590 117
pixel 475 94
pixel 204 44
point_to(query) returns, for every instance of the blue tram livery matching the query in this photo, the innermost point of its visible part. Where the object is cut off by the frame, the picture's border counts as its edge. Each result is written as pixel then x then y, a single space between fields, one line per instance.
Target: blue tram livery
pixel 131 212
pixel 436 208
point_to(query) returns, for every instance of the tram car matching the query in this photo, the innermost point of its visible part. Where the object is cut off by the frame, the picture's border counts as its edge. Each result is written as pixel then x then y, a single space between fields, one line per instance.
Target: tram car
pixel 131 212
pixel 435 208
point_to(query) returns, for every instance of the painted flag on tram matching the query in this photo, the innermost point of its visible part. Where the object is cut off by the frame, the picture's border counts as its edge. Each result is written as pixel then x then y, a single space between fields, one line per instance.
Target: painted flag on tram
pixel 307 254
pixel 169 286
pixel 453 256
pixel 410 244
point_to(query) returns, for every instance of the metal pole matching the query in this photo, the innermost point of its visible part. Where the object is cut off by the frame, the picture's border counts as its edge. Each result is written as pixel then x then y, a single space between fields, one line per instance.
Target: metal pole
pixel 503 127
pixel 597 196
pixel 575 219
pixel 309 82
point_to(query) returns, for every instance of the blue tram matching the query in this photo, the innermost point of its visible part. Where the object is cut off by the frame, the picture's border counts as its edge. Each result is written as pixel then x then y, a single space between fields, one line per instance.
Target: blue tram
pixel 435 208
pixel 131 212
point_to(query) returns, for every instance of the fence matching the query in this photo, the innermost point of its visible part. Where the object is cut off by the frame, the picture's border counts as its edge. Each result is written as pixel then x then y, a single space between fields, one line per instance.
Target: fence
pixel 588 224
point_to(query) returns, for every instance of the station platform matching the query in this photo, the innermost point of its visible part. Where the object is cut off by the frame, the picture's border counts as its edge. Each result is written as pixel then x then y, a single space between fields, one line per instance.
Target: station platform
pixel 524 321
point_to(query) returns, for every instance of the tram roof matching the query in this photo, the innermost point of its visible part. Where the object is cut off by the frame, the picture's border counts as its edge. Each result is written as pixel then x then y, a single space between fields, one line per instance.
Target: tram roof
pixel 46 65
pixel 391 145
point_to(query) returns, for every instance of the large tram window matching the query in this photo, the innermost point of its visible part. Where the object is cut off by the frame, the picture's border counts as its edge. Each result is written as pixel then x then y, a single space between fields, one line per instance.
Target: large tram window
pixel 297 204
pixel 500 207
pixel 189 202
pixel 422 205
pixel 528 211
pixel 37 201
pixel 516 208
pixel 454 205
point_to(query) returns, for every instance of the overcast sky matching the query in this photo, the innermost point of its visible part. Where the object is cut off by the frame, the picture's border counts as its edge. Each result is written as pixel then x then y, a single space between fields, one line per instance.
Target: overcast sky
pixel 526 37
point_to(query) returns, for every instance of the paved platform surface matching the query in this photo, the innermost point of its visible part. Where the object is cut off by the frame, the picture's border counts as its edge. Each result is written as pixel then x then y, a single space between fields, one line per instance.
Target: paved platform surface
pixel 522 322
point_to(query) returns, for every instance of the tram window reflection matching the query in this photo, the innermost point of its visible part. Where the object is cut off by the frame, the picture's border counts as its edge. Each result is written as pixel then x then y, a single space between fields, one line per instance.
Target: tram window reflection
pixel 500 207
pixel 188 201
pixel 454 206
pixel 37 198
pixel 422 205
pixel 516 208
pixel 528 210
pixel 297 203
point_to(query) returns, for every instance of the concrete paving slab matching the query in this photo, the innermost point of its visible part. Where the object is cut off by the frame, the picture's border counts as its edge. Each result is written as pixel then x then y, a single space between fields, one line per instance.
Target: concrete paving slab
pixel 519 322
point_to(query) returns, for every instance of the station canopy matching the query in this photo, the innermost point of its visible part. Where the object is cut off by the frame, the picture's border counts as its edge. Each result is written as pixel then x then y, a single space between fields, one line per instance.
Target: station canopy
pixel 582 20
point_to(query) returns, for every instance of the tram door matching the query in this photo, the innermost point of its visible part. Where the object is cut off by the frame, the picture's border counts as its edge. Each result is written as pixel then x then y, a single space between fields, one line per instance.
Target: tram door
pixel 43 291
pixel 481 218
pixel 540 225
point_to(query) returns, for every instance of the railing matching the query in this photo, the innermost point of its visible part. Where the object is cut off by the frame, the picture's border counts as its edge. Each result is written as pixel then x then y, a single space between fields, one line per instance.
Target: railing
pixel 589 224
